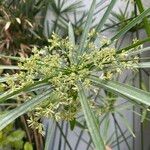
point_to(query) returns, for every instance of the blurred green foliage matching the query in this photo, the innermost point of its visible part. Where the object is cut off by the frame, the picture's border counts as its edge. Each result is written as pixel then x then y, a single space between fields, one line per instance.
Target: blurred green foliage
pixel 10 138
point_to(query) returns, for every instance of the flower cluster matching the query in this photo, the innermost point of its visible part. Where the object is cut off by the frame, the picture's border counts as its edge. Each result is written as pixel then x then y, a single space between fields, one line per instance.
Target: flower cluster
pixel 56 64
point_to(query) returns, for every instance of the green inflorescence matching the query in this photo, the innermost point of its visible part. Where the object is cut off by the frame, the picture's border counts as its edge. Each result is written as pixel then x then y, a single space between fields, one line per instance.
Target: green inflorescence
pixel 63 68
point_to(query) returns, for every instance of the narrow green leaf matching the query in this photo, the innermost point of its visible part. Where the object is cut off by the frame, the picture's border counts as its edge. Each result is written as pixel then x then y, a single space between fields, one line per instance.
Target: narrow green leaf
pixel 139 51
pixel 142 65
pixel 71 34
pixel 139 114
pixel 38 87
pixel 71 7
pixel 9 67
pixel 122 107
pixel 10 57
pixel 72 41
pixel 131 24
pixel 90 120
pixel 87 27
pixel 139 65
pixel 72 124
pixel 23 108
pixel 34 33
pixel 144 114
pixel 133 45
pixel 10 93
pixel 105 16
pixel 145 20
pixel 124 90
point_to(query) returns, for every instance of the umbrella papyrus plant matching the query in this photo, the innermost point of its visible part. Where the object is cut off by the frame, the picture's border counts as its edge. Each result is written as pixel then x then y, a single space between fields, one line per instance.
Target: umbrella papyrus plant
pixel 56 81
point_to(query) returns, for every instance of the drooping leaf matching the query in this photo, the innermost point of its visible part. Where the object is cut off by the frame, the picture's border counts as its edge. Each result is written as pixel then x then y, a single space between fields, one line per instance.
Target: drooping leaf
pixel 10 116
pixel 124 90
pixel 10 93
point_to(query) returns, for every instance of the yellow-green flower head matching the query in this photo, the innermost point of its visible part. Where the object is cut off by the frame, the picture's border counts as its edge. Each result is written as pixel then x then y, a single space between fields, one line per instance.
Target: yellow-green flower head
pixel 56 64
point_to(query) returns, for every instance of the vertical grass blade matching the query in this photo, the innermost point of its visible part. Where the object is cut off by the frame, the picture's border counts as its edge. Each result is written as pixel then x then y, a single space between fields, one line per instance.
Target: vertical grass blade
pixel 105 16
pixel 71 34
pixel 87 27
pixel 91 120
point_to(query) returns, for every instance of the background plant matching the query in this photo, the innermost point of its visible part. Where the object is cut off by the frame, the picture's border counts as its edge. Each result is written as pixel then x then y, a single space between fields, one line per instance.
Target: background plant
pixel 13 139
